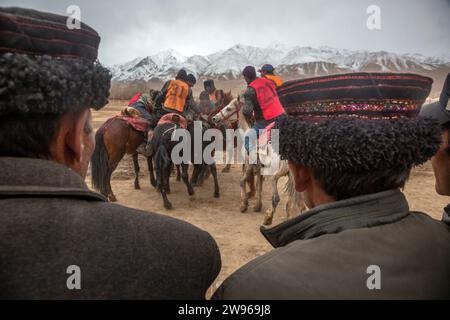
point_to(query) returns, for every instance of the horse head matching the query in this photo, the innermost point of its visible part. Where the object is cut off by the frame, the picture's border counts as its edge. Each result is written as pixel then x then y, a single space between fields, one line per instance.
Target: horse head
pixel 230 109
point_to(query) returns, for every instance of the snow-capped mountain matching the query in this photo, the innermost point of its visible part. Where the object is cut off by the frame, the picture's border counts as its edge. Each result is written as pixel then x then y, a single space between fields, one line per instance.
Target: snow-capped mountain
pixel 291 62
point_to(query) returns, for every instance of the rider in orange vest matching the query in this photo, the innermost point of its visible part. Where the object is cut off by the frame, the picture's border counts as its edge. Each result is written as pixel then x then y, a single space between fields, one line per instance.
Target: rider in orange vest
pixel 261 102
pixel 267 71
pixel 175 96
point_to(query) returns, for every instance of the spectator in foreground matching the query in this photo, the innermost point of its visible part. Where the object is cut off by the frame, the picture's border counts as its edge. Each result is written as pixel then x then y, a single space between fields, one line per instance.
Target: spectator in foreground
pixel 360 240
pixel 58 239
pixel 440 111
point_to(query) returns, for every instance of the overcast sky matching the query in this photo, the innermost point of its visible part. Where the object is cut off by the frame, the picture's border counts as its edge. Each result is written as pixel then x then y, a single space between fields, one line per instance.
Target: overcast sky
pixel 131 28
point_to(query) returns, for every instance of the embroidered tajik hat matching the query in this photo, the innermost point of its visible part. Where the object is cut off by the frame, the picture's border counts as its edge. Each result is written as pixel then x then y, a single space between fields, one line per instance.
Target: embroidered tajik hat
pixel 47 68
pixel 357 123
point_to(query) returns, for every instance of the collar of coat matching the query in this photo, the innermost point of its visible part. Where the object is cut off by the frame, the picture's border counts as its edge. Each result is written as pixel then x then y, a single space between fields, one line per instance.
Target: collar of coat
pixel 359 212
pixel 27 177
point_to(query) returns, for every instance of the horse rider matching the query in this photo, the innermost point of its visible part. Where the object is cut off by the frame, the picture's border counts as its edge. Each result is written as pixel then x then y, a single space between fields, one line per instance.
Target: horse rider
pixel 142 104
pixel 267 71
pixel 174 97
pixel 206 105
pixel 210 90
pixel 261 102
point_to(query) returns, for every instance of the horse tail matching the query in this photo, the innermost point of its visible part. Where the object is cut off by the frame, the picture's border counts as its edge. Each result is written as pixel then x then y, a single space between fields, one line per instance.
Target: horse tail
pixel 101 172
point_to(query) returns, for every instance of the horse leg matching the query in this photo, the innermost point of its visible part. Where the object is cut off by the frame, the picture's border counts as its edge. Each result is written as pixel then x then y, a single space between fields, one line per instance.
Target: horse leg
pixel 259 186
pixel 194 177
pixel 178 173
pixel 136 171
pixel 251 185
pixel 204 174
pixel 248 172
pixel 151 172
pixel 216 182
pixel 282 171
pixel 185 177
pixel 164 180
pixel 167 177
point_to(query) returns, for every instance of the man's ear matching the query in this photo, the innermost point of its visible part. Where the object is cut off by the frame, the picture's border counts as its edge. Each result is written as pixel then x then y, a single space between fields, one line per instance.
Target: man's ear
pixel 302 176
pixel 69 143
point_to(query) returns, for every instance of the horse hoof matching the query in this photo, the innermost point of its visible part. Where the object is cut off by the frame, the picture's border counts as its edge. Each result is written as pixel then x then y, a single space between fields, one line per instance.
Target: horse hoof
pixel 267 221
pixel 112 198
pixel 168 206
pixel 244 209
pixel 225 170
pixel 137 187
pixel 216 195
pixel 191 193
pixel 257 208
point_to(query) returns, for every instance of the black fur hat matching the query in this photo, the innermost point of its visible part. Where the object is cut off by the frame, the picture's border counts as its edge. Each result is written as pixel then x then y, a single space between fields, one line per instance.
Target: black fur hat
pixel 47 68
pixel 330 132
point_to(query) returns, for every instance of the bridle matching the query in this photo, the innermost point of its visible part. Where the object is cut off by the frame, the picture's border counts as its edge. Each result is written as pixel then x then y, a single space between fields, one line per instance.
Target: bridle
pixel 225 118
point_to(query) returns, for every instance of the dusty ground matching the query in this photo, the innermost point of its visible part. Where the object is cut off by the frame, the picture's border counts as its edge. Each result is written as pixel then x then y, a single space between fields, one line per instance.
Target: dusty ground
pixel 236 233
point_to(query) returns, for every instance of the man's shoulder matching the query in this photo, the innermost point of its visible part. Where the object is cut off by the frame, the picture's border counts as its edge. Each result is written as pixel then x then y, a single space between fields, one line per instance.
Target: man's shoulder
pixel 249 92
pixel 297 269
pixel 145 219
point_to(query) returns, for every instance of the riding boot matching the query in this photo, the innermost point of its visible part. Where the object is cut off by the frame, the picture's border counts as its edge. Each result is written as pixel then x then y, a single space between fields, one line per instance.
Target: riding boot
pixel 149 146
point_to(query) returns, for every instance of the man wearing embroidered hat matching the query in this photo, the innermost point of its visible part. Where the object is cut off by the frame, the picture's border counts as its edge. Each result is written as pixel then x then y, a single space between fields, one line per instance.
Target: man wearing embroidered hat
pixel 59 240
pixel 351 147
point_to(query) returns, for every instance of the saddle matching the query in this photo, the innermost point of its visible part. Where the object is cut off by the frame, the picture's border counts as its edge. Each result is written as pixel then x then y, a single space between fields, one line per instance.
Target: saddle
pixel 130 112
pixel 173 118
pixel 265 137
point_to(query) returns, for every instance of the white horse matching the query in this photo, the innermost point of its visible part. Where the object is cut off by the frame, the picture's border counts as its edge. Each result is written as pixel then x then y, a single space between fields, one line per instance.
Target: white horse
pixel 295 203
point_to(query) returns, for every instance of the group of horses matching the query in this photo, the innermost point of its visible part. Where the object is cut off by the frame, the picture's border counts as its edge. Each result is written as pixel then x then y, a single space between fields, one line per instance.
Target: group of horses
pixel 116 138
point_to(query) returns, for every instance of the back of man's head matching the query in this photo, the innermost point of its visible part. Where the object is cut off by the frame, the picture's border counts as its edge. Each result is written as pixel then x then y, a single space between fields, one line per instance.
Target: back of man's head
pixel 46 94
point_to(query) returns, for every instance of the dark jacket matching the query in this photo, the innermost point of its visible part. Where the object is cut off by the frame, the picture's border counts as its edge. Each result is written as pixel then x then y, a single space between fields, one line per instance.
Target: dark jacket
pixel 251 105
pixel 50 220
pixel 326 252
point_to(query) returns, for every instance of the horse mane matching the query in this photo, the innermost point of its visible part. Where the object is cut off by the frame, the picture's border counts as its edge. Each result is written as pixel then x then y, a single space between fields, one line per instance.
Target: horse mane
pixel 227 97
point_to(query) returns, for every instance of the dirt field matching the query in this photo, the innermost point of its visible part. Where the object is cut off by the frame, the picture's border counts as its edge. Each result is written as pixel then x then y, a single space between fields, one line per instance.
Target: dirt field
pixel 236 233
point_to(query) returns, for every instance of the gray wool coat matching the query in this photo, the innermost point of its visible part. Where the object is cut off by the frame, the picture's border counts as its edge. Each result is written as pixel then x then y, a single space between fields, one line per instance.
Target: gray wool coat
pixel 59 240
pixel 368 247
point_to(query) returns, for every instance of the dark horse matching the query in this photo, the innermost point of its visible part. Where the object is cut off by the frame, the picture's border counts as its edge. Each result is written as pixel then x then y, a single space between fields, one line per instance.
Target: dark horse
pixel 200 169
pixel 163 144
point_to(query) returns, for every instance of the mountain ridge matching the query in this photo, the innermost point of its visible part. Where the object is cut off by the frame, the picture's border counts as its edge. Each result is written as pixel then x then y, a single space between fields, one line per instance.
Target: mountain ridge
pixel 290 62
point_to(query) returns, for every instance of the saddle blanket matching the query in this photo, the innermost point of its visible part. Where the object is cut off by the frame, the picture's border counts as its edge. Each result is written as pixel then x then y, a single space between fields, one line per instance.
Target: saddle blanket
pixel 138 124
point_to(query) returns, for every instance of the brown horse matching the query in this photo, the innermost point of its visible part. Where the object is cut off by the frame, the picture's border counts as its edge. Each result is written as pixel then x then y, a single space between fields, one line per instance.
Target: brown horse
pixel 114 139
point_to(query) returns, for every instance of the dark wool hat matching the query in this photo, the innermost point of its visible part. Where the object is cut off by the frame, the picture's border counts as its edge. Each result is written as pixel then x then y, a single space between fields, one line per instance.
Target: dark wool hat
pixel 209 84
pixel 191 78
pixel 349 127
pixel 46 68
pixel 249 72
pixel 182 75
